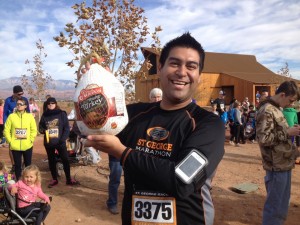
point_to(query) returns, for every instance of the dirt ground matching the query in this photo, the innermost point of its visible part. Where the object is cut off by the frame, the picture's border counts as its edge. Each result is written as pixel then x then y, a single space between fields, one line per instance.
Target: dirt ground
pixel 85 204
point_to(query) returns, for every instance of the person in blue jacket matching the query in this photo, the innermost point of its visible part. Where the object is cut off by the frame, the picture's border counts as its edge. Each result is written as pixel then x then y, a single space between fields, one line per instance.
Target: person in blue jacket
pixel 11 102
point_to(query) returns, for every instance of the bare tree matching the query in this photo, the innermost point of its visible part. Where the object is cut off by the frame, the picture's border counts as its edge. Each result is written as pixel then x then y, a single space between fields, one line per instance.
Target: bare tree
pixel 285 71
pixel 38 80
pixel 115 30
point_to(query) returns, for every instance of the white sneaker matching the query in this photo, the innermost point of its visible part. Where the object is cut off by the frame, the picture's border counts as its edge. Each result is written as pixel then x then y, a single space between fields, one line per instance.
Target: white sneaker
pixel 237 145
pixel 231 142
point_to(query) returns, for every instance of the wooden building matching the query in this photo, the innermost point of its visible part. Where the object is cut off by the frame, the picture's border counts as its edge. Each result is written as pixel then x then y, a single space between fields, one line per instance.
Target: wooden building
pixel 238 75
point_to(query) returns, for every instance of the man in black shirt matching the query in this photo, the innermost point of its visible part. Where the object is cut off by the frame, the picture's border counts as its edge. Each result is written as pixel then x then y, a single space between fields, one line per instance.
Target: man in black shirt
pixel 159 136
pixel 220 101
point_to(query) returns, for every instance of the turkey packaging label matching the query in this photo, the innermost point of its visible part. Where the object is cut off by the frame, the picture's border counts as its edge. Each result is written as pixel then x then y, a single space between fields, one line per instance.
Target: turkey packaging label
pixel 100 103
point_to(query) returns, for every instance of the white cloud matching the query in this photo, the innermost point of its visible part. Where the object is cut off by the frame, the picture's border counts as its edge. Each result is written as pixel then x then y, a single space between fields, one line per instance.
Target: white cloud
pixel 268 29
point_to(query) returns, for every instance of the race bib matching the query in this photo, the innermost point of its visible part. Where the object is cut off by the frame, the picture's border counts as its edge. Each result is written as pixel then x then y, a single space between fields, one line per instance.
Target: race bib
pixel 150 208
pixel 53 133
pixel 21 133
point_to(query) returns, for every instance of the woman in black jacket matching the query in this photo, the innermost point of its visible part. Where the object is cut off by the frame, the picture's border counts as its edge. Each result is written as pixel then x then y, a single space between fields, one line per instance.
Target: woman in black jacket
pixel 54 125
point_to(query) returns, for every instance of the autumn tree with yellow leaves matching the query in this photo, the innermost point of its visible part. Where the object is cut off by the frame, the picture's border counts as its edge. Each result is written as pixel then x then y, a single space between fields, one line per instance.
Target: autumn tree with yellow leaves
pixel 115 30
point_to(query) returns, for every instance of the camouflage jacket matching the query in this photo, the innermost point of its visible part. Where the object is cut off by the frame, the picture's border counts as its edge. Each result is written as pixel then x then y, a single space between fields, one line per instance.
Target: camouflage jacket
pixel 278 152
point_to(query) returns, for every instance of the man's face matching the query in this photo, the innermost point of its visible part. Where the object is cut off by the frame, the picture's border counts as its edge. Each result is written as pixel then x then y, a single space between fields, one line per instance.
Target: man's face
pixel 264 95
pixel 287 101
pixel 180 75
pixel 18 95
pixel 221 96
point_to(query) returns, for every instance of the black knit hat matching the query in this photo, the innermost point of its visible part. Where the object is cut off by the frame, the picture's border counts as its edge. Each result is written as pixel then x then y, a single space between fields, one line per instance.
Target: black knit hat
pixel 51 99
pixel 17 89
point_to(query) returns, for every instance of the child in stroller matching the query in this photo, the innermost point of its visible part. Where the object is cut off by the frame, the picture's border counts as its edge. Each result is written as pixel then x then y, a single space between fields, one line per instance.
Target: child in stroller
pixel 5 179
pixel 8 212
pixel 20 206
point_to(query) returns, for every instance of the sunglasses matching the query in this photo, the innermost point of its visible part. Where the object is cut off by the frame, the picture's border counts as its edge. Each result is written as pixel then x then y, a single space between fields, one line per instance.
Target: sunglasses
pixel 51 103
pixel 20 94
pixel 20 104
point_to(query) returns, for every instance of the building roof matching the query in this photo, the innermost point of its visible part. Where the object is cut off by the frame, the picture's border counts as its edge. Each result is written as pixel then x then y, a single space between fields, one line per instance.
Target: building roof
pixel 244 67
pixel 260 78
pixel 226 63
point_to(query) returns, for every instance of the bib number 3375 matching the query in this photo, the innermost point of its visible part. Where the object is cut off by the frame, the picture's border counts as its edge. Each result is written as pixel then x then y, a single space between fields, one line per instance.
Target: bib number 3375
pixel 153 210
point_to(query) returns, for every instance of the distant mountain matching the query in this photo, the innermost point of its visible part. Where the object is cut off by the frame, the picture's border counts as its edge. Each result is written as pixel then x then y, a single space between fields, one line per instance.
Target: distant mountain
pixel 60 89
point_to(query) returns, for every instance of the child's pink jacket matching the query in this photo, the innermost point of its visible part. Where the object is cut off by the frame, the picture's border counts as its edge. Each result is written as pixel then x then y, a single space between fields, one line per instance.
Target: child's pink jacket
pixel 28 195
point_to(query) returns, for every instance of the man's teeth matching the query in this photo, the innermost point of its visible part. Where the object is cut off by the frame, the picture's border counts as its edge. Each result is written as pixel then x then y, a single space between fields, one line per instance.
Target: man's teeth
pixel 180 82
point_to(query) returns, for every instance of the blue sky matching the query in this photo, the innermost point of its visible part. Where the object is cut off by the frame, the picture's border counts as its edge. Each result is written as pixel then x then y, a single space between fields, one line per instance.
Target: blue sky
pixel 268 29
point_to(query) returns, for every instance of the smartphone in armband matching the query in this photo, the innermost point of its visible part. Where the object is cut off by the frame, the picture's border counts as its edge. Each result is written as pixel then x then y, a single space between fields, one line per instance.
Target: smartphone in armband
pixel 191 166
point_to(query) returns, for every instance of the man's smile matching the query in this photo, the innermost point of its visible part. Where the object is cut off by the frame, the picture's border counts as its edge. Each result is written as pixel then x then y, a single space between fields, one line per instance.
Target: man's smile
pixel 177 82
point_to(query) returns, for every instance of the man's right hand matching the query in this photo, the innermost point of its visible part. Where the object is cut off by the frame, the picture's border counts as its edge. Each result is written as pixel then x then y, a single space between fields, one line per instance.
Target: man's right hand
pixel 106 143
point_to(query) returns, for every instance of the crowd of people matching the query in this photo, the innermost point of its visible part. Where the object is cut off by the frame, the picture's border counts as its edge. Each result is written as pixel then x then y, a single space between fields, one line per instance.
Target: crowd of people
pixel 160 149
pixel 20 124
pixel 239 116
pixel 274 122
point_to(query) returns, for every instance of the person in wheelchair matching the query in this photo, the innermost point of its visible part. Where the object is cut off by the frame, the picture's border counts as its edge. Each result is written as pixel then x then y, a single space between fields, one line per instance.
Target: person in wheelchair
pixel 27 189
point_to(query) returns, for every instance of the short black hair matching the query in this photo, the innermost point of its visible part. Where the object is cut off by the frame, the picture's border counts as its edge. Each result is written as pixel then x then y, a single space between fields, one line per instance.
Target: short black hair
pixel 290 88
pixel 17 89
pixel 185 40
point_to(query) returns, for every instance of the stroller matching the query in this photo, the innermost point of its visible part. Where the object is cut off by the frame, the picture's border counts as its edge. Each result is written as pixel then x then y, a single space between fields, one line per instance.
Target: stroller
pixel 77 152
pixel 8 213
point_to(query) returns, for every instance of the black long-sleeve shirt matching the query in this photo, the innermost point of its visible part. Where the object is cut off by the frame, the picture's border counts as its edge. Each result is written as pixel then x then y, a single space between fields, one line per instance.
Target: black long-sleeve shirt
pixel 56 122
pixel 160 139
